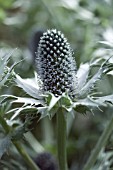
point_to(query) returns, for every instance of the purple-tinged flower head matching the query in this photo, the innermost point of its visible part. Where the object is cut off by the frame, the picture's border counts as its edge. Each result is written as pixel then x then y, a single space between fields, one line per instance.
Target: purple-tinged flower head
pixel 46 161
pixel 55 64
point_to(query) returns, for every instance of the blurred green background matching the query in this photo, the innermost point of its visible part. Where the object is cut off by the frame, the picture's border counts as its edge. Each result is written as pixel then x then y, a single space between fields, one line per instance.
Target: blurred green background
pixel 84 23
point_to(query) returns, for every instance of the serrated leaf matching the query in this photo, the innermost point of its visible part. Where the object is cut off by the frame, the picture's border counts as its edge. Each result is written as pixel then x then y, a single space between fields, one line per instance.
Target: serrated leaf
pixel 89 86
pixel 82 74
pixel 89 101
pixel 24 100
pixel 29 86
pixel 86 104
pixel 27 100
pixel 4 61
pixel 104 99
pixel 4 145
pixel 3 67
pixel 23 109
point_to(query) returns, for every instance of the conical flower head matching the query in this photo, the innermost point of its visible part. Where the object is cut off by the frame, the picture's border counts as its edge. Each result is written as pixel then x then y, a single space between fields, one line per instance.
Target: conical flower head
pixel 55 64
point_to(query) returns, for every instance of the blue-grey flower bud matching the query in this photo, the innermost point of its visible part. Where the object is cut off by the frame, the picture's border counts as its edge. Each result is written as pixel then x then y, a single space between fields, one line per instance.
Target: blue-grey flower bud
pixel 55 64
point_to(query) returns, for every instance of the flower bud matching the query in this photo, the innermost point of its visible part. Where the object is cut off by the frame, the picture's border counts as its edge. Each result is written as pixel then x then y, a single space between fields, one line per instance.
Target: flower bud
pixel 46 161
pixel 55 64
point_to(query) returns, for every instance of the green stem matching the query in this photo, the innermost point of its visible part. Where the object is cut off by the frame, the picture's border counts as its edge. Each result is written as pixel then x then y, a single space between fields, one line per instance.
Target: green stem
pixel 26 157
pixel 19 147
pixel 100 144
pixel 61 139
pixel 4 125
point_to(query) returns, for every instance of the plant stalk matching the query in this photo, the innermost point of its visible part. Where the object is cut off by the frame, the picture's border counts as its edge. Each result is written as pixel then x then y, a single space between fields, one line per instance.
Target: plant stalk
pixel 61 139
pixel 24 154
pixel 19 147
pixel 100 144
pixel 4 125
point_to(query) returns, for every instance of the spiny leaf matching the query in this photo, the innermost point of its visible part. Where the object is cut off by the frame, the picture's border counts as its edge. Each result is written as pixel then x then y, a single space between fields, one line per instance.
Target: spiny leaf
pixel 104 99
pixel 4 145
pixel 5 72
pixel 24 100
pixel 88 101
pixel 82 74
pixel 29 86
pixel 22 109
pixel 86 104
pixel 4 61
pixel 9 71
pixel 89 86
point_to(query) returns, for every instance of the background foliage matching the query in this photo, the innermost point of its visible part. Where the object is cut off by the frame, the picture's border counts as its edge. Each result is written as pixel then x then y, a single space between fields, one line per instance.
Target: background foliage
pixel 88 25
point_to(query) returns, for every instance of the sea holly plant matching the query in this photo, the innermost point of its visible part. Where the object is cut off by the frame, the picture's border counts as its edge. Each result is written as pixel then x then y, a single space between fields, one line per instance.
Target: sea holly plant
pixel 59 88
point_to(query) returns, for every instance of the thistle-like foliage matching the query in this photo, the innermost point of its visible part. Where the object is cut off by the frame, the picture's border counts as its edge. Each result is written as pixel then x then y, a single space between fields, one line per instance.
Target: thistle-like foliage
pixel 5 72
pixel 55 64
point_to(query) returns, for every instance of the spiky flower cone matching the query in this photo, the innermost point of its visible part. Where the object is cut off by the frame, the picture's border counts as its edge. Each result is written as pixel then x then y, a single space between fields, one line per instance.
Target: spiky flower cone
pixel 55 64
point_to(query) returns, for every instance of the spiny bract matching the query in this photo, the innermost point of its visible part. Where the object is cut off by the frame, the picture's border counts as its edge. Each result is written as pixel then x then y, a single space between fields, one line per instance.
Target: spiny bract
pixel 55 64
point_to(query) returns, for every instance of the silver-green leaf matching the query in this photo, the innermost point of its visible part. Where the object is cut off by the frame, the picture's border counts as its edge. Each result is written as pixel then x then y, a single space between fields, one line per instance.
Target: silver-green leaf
pixel 4 145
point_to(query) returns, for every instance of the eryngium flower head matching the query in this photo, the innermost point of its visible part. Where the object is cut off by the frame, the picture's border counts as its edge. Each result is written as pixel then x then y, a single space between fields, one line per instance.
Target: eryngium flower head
pixel 55 64
pixel 46 161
